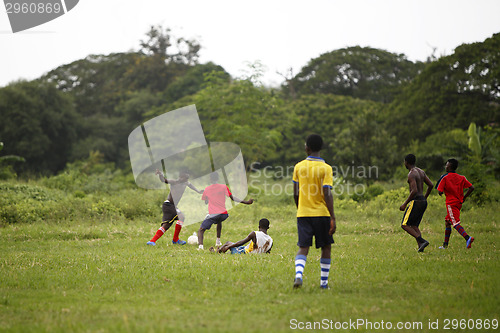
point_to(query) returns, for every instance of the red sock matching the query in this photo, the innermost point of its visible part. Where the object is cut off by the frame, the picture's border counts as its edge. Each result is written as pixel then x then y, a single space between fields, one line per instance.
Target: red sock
pixel 461 231
pixel 158 234
pixel 178 227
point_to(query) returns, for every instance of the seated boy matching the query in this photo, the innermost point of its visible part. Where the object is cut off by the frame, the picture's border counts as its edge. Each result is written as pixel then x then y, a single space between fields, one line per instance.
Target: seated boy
pixel 260 241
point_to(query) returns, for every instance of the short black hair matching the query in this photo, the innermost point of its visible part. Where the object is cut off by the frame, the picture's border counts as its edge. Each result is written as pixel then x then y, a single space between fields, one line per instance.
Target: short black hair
pixel 453 163
pixel 314 142
pixel 214 176
pixel 410 159
pixel 264 223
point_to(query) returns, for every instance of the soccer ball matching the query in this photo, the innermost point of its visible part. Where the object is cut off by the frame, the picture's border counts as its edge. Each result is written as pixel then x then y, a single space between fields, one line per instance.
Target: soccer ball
pixel 193 239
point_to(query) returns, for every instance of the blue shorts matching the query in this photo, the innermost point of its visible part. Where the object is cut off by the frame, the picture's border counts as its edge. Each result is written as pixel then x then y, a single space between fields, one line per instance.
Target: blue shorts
pixel 317 226
pixel 213 219
pixel 238 250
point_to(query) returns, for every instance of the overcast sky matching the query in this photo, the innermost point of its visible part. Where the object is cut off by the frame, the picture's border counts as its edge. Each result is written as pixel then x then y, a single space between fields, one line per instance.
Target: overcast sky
pixel 279 34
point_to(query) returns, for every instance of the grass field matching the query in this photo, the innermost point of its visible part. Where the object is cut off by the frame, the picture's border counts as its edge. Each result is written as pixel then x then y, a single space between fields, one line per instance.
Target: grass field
pixel 98 275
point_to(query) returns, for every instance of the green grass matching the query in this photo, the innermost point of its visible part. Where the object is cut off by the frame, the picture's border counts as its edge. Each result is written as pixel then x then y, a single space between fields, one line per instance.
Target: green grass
pixel 96 274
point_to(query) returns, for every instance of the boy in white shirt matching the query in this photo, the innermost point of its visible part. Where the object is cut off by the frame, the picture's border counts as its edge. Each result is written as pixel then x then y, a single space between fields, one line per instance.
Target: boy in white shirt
pixel 260 241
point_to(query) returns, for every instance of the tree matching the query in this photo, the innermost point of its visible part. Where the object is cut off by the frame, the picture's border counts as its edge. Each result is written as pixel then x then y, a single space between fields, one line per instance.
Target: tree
pixel 191 82
pixel 239 112
pixel 450 93
pixel 353 134
pixel 358 72
pixel 97 83
pixel 40 123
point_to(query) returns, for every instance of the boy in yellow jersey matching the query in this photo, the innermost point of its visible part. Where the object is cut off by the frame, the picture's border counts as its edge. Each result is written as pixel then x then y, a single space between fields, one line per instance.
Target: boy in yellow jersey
pixel 313 181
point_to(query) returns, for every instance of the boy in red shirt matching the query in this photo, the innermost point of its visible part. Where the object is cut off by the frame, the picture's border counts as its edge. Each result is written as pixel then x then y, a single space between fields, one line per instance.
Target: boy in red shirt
pixel 215 195
pixel 452 185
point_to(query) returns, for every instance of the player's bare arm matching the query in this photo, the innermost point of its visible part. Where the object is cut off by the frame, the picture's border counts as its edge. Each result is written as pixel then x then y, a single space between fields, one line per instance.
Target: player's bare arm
pixel 327 194
pixel 191 186
pixel 412 182
pixel 246 202
pixel 251 237
pixel 429 184
pixel 169 181
pixel 469 191
pixel 296 192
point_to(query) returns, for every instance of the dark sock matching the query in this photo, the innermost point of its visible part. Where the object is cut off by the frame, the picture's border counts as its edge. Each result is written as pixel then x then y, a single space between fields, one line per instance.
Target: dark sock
pixel 461 231
pixel 447 234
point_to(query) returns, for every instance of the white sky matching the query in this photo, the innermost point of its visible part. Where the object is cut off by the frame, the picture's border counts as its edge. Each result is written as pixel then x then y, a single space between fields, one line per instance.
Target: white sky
pixel 279 34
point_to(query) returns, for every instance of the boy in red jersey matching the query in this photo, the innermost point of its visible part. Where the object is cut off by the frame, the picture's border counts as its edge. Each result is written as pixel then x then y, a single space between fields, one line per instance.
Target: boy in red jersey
pixel 215 195
pixel 452 185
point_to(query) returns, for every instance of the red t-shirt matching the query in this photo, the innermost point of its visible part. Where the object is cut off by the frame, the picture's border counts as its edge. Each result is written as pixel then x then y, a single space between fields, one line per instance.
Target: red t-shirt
pixel 453 186
pixel 216 195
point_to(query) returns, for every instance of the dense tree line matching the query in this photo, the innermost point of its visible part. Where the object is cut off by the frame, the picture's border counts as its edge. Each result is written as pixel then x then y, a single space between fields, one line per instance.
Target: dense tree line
pixel 371 106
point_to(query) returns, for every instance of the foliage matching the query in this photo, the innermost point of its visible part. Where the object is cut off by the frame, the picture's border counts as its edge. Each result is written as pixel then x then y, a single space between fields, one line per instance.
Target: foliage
pixel 353 135
pixel 242 113
pixel 474 143
pixel 450 93
pixel 359 72
pixel 39 123
pixel 90 176
pixel 389 106
pixel 6 171
pixel 192 82
pixel 433 153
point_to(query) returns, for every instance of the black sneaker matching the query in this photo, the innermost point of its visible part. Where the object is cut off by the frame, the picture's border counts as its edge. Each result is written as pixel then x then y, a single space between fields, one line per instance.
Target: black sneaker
pixel 423 246
pixel 297 283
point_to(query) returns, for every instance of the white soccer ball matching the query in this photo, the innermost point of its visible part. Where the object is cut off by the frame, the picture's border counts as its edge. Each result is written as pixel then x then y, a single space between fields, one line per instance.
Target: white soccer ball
pixel 193 239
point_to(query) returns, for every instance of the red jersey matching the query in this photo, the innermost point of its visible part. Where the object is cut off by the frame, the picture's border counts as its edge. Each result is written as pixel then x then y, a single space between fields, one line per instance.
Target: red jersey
pixel 216 195
pixel 453 186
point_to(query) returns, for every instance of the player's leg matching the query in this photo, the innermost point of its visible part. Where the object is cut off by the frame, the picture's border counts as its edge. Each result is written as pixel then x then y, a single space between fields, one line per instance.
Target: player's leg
pixel 205 225
pixel 447 234
pixel 305 235
pixel 169 216
pixel 219 233
pixel 421 243
pixel 163 228
pixel 178 227
pixel 325 263
pixel 324 241
pixel 411 220
pixel 300 263
pixel 454 211
pixel 201 232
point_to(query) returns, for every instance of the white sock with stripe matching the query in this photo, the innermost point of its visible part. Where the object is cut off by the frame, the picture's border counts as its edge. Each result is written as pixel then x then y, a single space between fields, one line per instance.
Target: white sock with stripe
pixel 300 263
pixel 325 271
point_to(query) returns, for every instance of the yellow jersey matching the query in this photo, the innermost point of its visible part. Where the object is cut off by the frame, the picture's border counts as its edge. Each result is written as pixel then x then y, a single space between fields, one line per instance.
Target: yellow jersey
pixel 312 174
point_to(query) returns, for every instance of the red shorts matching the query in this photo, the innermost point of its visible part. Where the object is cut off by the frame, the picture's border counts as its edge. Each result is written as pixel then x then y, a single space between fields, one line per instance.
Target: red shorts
pixel 453 215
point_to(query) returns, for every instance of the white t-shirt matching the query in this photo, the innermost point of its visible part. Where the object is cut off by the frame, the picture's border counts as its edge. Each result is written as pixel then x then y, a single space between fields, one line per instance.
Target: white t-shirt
pixel 264 243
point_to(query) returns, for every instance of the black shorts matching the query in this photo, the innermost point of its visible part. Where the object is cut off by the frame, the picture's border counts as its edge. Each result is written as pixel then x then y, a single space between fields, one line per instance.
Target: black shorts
pixel 213 219
pixel 169 213
pixel 317 226
pixel 414 211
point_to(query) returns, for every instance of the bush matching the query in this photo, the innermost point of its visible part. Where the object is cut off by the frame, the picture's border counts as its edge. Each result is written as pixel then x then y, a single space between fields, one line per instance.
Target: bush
pixel 483 182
